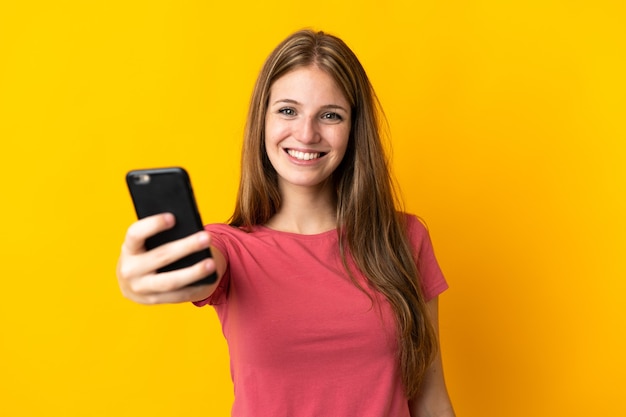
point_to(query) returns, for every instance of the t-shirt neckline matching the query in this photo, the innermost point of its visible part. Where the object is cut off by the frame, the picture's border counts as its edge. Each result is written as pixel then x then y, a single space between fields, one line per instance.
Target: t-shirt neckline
pixel 263 228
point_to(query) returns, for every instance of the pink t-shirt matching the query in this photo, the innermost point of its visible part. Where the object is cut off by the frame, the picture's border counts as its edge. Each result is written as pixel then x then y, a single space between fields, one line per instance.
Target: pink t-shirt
pixel 304 341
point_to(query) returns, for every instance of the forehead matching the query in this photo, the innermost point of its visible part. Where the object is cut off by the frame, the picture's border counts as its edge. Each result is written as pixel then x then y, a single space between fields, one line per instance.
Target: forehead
pixel 310 83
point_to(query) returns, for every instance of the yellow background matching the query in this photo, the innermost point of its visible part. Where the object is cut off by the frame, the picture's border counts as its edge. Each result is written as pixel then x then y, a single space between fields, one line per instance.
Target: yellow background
pixel 508 125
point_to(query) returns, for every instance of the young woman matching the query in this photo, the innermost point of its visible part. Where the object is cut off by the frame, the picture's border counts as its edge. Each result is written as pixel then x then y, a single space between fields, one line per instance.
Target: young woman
pixel 327 294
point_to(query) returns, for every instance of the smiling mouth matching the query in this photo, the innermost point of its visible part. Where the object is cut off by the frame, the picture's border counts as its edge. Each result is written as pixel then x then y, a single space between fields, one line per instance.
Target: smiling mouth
pixel 305 156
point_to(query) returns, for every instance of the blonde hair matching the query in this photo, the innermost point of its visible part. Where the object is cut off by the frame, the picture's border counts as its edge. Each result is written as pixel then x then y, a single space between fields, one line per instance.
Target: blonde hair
pixel 372 231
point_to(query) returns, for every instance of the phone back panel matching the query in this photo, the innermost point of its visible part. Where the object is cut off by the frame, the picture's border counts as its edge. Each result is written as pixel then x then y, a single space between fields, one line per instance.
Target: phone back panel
pixel 167 190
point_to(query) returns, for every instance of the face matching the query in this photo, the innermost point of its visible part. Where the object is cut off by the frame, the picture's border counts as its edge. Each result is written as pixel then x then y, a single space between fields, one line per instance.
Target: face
pixel 307 127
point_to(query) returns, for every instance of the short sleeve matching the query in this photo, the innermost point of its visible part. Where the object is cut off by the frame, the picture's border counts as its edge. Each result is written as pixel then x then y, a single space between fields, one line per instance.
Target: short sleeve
pixel 432 279
pixel 219 242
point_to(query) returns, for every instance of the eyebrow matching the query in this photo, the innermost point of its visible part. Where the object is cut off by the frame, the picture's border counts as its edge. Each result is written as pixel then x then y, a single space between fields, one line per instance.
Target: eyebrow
pixel 326 106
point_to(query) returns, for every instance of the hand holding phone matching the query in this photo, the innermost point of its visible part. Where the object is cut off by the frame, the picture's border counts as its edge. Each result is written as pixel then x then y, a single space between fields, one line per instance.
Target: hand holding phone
pixel 168 190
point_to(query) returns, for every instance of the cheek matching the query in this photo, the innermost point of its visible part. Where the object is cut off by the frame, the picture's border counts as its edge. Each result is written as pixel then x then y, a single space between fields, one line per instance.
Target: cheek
pixel 271 141
pixel 273 132
pixel 347 143
pixel 270 138
pixel 343 139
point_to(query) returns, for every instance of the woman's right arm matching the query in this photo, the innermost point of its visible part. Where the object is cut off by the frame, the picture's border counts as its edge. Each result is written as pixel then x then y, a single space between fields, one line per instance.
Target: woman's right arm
pixel 136 267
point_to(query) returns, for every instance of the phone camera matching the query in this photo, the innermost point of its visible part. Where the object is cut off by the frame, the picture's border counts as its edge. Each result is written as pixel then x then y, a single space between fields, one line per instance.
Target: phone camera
pixel 142 179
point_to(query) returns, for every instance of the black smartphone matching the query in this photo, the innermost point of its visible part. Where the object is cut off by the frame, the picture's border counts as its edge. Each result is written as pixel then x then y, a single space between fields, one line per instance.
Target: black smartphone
pixel 168 190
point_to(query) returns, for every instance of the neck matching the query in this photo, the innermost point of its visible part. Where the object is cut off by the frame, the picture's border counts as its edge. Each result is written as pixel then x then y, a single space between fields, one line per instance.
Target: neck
pixel 305 211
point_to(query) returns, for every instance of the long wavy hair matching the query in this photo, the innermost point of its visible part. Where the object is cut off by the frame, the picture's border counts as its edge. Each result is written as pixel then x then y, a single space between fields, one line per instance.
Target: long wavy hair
pixel 371 229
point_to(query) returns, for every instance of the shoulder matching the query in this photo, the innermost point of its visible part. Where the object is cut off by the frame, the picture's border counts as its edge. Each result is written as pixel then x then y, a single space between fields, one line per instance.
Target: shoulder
pixel 225 236
pixel 431 277
pixel 249 239
pixel 418 234
pixel 223 229
pixel 415 227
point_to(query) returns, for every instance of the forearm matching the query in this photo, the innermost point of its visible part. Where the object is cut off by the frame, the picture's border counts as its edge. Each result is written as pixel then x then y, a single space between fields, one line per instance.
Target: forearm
pixel 446 411
pixel 432 402
pixel 433 399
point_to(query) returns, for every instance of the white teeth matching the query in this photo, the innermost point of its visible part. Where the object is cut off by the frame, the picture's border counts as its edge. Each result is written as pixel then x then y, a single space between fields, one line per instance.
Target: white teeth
pixel 304 156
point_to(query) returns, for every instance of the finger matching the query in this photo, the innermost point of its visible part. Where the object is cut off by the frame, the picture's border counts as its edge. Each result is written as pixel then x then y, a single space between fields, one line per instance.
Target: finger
pixel 160 284
pixel 170 252
pixel 139 231
pixel 134 269
pixel 186 294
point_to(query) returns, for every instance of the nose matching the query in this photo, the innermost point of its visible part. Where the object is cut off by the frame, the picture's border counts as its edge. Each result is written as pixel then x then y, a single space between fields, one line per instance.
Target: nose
pixel 307 131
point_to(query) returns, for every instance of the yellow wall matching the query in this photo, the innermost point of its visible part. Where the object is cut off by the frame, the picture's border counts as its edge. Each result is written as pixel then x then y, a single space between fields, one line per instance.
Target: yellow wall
pixel 509 139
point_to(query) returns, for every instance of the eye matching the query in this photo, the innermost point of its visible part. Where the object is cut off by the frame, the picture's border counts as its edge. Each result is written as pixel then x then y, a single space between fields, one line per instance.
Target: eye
pixel 287 111
pixel 332 116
